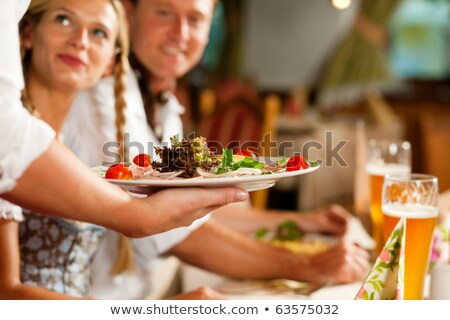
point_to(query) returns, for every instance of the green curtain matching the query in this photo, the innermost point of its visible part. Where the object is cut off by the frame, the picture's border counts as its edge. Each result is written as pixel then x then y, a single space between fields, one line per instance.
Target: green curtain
pixel 231 61
pixel 359 62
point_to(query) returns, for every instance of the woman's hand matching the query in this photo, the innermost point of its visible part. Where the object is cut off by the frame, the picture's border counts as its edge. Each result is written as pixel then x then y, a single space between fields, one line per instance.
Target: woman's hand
pixel 177 207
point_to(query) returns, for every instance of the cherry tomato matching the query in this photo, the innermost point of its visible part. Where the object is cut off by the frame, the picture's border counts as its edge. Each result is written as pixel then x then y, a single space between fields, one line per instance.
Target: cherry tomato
pixel 119 171
pixel 142 160
pixel 296 163
pixel 245 153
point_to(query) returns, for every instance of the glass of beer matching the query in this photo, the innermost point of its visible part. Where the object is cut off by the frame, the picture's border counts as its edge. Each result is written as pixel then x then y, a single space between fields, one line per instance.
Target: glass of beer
pixel 414 197
pixel 384 156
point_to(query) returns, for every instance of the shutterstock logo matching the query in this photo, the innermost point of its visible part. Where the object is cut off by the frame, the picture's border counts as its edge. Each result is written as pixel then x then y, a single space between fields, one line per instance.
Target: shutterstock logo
pixel 326 153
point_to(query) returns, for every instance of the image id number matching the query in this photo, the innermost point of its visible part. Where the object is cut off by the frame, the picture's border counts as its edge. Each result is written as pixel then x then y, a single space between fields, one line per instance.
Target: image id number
pixel 307 309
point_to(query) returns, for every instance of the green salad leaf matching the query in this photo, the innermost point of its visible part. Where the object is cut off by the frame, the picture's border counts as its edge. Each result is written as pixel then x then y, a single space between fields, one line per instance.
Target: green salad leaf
pixel 186 155
pixel 228 164
pixel 288 230
pixel 261 233
pixel 227 159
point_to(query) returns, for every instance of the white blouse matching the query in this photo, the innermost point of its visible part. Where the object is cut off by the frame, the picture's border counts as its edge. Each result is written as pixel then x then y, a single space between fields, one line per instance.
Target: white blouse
pixel 10 211
pixel 23 138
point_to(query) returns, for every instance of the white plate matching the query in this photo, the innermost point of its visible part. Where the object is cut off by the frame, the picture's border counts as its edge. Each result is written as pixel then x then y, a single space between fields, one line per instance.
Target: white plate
pixel 249 183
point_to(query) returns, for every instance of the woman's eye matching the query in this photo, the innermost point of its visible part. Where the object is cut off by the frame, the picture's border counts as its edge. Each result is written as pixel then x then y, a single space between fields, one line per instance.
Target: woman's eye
pixel 100 33
pixel 63 20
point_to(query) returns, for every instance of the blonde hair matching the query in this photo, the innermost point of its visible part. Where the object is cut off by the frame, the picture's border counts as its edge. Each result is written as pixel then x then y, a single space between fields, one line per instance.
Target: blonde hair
pixel 120 71
pixel 37 8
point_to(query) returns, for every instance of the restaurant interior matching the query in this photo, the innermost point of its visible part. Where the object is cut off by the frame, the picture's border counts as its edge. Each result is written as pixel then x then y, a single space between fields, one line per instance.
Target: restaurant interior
pixel 298 70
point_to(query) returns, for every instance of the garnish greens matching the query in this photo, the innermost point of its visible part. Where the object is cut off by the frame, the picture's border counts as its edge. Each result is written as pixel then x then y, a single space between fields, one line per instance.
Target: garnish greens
pixel 282 161
pixel 313 163
pixel 288 230
pixel 228 164
pixel 186 155
pixel 261 233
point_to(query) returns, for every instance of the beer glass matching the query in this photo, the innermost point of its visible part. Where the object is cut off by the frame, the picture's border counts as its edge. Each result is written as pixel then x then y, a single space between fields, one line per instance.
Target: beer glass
pixel 384 156
pixel 414 197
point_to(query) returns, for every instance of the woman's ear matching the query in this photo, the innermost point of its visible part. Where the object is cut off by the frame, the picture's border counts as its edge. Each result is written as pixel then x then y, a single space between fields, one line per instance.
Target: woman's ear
pixel 110 67
pixel 27 35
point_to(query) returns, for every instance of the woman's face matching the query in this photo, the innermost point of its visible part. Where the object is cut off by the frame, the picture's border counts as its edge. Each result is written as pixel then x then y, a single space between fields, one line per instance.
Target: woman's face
pixel 73 44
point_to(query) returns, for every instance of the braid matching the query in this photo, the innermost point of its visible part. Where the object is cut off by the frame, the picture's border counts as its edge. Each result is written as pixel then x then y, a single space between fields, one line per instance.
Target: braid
pixel 120 71
pixel 125 259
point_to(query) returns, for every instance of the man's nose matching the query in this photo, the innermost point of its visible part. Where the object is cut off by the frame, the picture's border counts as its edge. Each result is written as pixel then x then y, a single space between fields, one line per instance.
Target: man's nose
pixel 181 28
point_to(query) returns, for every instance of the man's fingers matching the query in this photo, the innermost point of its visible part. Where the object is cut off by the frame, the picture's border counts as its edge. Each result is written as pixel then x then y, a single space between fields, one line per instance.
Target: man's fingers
pixel 338 213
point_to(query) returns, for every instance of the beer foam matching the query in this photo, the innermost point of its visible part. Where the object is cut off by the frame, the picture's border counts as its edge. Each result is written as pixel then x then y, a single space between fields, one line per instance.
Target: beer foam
pixel 411 211
pixel 390 168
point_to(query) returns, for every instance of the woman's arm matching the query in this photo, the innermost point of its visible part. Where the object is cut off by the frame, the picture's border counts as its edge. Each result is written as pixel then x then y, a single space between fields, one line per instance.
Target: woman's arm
pixel 10 284
pixel 58 184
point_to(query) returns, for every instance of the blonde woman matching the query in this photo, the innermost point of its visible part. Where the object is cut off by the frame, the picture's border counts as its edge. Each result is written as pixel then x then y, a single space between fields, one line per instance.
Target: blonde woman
pixel 67 45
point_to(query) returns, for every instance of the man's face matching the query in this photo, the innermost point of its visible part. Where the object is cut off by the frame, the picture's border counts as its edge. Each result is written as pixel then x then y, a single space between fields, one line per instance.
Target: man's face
pixel 169 36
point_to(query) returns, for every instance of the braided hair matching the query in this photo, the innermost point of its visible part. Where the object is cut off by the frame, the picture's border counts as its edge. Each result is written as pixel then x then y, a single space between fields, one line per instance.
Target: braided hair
pixel 120 71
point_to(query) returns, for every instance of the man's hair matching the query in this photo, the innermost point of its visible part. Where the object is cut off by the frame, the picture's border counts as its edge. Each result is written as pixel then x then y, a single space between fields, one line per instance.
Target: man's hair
pixel 136 1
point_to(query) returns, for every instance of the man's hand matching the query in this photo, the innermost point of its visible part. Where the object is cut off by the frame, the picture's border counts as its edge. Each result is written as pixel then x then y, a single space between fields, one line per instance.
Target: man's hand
pixel 343 263
pixel 332 220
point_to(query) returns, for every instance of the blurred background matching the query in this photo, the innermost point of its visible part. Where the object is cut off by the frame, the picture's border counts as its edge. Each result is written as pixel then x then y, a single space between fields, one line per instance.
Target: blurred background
pixel 359 69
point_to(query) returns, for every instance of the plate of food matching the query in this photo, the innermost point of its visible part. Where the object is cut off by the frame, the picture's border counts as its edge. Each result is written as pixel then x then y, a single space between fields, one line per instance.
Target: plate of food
pixel 190 163
pixel 288 236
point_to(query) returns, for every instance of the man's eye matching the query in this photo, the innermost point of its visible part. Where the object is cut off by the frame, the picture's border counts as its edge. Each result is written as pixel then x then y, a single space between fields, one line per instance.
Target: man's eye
pixel 194 19
pixel 163 13
pixel 63 20
pixel 100 33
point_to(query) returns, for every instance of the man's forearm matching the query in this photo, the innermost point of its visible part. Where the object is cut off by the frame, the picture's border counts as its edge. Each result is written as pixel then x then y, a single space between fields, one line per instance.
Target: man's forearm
pixel 248 220
pixel 224 251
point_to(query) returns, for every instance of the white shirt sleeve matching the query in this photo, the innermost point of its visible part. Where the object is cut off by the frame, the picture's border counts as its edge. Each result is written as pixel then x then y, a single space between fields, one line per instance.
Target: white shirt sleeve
pixel 149 250
pixel 9 211
pixel 22 137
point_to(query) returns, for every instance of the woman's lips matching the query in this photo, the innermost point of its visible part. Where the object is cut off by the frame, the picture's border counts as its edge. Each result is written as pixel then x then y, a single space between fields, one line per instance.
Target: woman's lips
pixel 71 60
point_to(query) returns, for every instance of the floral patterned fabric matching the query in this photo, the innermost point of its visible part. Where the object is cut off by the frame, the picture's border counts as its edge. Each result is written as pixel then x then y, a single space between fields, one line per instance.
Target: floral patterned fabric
pixel 385 279
pixel 57 254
